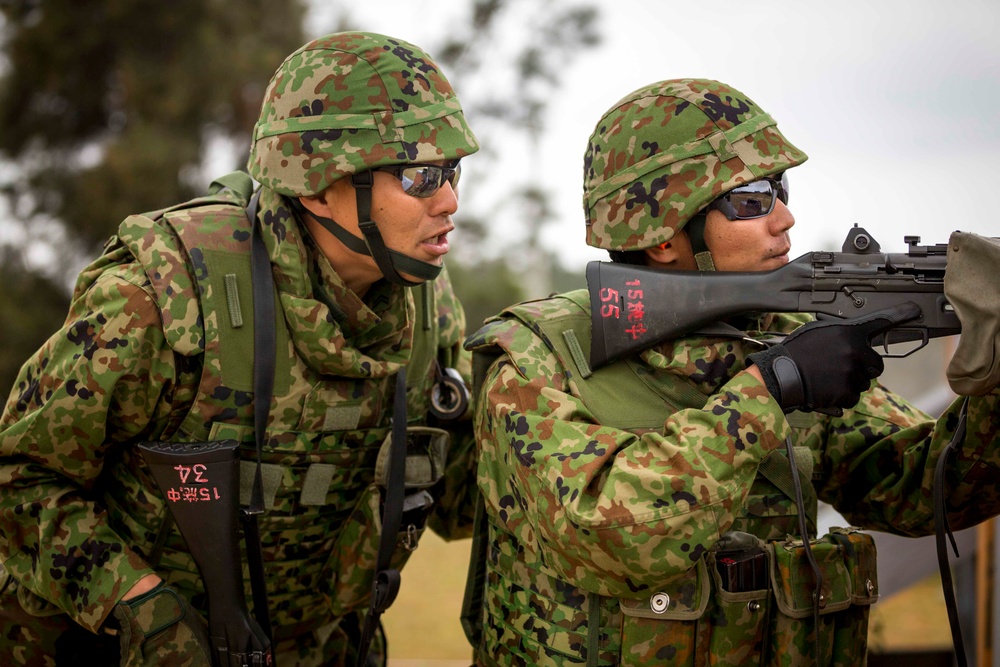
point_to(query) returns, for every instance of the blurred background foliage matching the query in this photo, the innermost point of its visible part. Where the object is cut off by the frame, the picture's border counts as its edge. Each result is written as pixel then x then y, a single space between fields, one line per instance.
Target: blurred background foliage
pixel 121 106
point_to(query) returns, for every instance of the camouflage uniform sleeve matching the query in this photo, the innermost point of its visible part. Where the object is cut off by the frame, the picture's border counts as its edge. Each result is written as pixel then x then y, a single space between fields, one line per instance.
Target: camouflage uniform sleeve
pixel 455 510
pixel 879 461
pixel 611 510
pixel 95 384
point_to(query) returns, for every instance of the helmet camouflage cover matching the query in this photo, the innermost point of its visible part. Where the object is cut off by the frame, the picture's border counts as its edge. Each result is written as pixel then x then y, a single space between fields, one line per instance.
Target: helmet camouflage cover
pixel 667 150
pixel 350 102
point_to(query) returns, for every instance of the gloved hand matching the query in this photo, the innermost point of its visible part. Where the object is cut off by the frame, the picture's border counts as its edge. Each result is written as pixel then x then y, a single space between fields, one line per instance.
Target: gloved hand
pixel 828 363
pixel 158 628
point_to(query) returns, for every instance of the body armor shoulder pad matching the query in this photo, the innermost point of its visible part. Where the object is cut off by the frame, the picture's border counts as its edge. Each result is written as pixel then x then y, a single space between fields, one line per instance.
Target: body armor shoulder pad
pixel 172 245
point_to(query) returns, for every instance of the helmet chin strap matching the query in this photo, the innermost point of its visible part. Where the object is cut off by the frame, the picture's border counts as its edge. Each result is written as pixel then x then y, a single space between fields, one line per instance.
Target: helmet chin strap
pixel 695 229
pixel 390 262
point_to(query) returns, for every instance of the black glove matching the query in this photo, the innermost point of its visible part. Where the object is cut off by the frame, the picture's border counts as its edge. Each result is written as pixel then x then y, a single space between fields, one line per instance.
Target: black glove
pixel 158 628
pixel 827 364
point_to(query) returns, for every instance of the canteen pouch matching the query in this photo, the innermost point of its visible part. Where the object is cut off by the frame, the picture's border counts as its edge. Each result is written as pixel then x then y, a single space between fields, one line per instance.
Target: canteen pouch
pixel 664 628
pixel 351 565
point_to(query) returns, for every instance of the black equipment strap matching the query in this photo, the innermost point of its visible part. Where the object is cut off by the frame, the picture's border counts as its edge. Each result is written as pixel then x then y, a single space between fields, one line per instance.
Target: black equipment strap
pixel 941 528
pixel 372 245
pixel 264 350
pixel 386 583
pixel 695 229
pixel 804 534
pixel 475 581
pixel 386 259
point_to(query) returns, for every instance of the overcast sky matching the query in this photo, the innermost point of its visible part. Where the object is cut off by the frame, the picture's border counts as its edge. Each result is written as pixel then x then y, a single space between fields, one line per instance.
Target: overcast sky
pixel 894 101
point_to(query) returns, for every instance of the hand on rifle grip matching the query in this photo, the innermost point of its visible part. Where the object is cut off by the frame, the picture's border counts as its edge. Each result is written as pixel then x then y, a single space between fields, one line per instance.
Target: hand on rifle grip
pixel 826 364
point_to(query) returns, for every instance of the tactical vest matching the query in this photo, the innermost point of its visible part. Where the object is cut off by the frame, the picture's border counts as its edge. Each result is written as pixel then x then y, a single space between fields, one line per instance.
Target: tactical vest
pixel 320 531
pixel 531 616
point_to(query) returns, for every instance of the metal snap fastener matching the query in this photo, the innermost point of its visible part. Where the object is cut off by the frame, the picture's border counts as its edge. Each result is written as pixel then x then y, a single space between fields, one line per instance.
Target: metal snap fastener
pixel 822 601
pixel 753 606
pixel 870 587
pixel 659 602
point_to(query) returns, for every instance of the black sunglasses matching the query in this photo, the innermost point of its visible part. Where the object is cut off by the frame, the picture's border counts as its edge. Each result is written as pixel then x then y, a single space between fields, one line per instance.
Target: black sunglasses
pixel 424 180
pixel 753 200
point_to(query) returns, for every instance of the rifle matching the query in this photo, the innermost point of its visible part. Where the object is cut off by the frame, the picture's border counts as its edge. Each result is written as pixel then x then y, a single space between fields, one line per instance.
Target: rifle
pixel 634 307
pixel 200 484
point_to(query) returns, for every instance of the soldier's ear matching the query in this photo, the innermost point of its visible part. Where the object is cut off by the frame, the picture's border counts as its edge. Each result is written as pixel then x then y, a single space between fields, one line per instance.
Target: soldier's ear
pixel 665 253
pixel 336 202
pixel 674 254
pixel 316 204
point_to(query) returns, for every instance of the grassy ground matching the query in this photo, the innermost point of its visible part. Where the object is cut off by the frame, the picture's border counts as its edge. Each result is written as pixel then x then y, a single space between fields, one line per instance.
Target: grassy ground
pixel 423 624
pixel 424 629
pixel 912 620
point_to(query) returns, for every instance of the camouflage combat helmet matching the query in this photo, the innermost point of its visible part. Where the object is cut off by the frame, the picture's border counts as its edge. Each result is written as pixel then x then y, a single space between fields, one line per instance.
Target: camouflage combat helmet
pixel 347 103
pixel 664 152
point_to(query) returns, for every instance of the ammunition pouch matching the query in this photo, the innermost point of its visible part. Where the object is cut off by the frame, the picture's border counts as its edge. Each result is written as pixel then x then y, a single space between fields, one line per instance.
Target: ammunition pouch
pixel 426 449
pixel 753 605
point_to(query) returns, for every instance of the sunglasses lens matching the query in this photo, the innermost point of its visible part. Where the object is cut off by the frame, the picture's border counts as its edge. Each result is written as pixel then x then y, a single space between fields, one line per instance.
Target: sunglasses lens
pixel 752 200
pixel 424 180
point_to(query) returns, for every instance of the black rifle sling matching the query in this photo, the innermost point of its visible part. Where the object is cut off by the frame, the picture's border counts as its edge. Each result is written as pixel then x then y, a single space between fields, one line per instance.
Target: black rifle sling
pixel 475 579
pixel 264 351
pixel 941 529
pixel 386 583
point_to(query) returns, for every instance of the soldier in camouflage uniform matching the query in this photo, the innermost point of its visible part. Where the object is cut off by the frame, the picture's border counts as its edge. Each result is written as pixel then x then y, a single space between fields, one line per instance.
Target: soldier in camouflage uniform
pixel 645 512
pixel 158 346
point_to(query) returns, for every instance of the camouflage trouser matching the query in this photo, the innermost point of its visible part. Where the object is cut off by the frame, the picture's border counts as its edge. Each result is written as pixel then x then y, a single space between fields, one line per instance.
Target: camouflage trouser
pixel 53 640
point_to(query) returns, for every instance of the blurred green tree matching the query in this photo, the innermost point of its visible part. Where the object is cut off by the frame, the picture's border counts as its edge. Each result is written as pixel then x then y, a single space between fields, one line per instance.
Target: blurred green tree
pixel 111 108
pixel 32 306
pixel 107 107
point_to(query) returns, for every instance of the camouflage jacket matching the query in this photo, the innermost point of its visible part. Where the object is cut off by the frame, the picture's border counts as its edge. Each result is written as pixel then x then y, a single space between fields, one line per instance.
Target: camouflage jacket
pixel 142 358
pixel 602 506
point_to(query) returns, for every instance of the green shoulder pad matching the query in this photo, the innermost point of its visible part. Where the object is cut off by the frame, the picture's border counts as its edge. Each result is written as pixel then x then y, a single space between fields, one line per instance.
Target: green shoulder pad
pixel 171 245
pixel 563 324
pixel 158 250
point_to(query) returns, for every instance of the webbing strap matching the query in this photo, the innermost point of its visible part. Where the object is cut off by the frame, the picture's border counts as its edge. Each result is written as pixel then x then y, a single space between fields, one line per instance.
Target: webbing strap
pixel 695 229
pixel 593 629
pixel 387 260
pixel 941 528
pixel 386 583
pixel 264 350
pixel 804 534
pixel 777 469
pixel 475 582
